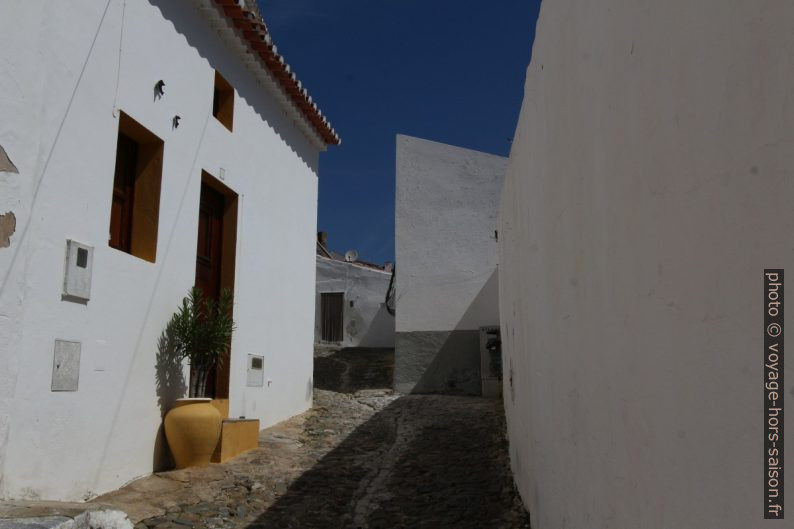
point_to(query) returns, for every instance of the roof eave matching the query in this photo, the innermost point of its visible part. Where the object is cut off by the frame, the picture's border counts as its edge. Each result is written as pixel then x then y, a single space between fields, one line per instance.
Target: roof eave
pixel 247 35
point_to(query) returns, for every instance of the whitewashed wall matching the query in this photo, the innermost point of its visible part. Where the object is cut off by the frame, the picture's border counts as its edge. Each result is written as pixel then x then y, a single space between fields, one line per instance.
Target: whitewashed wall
pixel 447 201
pixel 366 323
pixel 62 76
pixel 650 184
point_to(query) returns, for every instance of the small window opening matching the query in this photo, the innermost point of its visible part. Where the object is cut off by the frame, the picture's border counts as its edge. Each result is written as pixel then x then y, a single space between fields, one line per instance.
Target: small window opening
pixel 82 257
pixel 223 101
pixel 135 202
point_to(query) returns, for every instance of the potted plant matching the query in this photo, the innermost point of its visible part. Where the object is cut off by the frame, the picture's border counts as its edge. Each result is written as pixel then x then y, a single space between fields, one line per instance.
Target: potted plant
pixel 200 331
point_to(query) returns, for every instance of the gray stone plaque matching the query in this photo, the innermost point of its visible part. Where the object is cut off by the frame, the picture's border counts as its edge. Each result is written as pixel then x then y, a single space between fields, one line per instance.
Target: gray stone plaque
pixel 65 366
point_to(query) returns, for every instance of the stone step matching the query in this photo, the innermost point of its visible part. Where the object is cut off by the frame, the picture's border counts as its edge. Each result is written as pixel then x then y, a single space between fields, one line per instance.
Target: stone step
pixel 106 519
pixel 237 436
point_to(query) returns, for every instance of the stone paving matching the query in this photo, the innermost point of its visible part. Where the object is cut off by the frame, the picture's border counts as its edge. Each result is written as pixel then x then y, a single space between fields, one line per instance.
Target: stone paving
pixel 361 458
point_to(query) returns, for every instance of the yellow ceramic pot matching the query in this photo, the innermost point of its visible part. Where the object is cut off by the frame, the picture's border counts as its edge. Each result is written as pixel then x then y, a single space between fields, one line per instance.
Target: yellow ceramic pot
pixel 192 428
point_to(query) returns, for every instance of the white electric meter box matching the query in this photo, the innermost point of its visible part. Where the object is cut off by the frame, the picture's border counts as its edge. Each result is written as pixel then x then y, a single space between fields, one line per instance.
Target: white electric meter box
pixel 77 273
pixel 255 376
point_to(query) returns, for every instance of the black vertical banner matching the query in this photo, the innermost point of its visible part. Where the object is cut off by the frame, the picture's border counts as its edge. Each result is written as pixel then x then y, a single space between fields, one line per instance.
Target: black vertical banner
pixel 773 394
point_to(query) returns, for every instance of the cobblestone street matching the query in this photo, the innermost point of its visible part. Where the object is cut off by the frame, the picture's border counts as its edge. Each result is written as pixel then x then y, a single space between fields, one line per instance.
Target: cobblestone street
pixel 361 458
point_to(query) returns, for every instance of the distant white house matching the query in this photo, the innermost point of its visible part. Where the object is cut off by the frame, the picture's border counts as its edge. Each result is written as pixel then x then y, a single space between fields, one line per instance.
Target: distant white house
pixel 352 308
pixel 446 285
pixel 147 146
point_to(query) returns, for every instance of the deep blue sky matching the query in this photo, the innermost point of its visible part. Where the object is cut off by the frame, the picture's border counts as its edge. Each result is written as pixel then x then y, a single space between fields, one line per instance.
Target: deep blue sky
pixel 445 70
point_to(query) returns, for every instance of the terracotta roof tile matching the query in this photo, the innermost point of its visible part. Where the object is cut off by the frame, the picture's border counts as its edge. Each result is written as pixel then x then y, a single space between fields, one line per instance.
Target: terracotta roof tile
pixel 254 31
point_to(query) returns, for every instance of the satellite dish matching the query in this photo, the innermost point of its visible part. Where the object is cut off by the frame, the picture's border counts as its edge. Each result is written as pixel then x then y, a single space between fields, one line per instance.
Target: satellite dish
pixel 351 256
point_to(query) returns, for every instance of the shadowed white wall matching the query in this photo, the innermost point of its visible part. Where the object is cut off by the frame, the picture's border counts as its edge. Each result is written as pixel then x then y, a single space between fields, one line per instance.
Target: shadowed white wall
pixel 447 201
pixel 63 74
pixel 650 183
pixel 366 323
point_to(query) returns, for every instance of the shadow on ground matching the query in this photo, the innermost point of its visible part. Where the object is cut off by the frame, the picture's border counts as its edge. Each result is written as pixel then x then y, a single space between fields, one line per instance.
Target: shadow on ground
pixel 423 461
pixel 354 368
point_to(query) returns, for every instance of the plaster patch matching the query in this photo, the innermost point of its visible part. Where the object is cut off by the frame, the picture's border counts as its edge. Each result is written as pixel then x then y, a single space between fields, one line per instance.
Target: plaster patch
pixel 8 225
pixel 5 162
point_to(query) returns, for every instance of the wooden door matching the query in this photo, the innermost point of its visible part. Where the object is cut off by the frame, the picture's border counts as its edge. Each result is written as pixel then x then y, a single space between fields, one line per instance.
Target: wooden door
pixel 209 255
pixel 210 242
pixel 331 312
pixel 123 193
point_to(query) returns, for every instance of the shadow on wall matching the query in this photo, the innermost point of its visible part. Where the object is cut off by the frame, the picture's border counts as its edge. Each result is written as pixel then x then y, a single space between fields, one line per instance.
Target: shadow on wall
pixel 370 479
pixel 380 332
pixel 191 25
pixel 447 361
pixel 171 385
pixel 485 302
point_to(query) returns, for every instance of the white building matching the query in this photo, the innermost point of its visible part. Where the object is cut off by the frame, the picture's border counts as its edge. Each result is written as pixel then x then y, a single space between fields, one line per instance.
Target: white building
pixel 351 304
pixel 650 185
pixel 446 286
pixel 228 150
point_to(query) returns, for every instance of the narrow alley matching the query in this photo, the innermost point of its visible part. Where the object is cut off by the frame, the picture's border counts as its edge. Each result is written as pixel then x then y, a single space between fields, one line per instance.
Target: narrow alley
pixel 361 458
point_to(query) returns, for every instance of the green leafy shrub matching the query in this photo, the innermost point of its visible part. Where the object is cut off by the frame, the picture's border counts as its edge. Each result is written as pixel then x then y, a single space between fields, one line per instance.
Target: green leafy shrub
pixel 201 331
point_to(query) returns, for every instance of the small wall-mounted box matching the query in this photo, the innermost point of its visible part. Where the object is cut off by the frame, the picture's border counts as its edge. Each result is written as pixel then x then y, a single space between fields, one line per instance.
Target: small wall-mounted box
pixel 65 366
pixel 77 271
pixel 255 376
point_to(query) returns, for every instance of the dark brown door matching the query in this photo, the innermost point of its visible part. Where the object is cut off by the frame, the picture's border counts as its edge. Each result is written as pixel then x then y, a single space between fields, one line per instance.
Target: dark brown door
pixel 123 193
pixel 209 253
pixel 331 307
pixel 210 242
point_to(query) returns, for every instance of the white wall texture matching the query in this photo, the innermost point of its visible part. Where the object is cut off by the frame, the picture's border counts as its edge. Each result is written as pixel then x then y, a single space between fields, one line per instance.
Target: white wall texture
pixel 63 74
pixel 447 201
pixel 650 184
pixel 367 323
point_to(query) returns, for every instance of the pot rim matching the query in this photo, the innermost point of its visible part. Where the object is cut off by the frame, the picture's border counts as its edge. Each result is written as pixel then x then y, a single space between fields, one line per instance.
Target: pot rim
pixel 194 399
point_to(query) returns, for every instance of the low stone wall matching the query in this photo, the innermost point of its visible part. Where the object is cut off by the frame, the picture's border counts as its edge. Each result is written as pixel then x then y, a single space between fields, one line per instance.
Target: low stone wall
pixel 438 362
